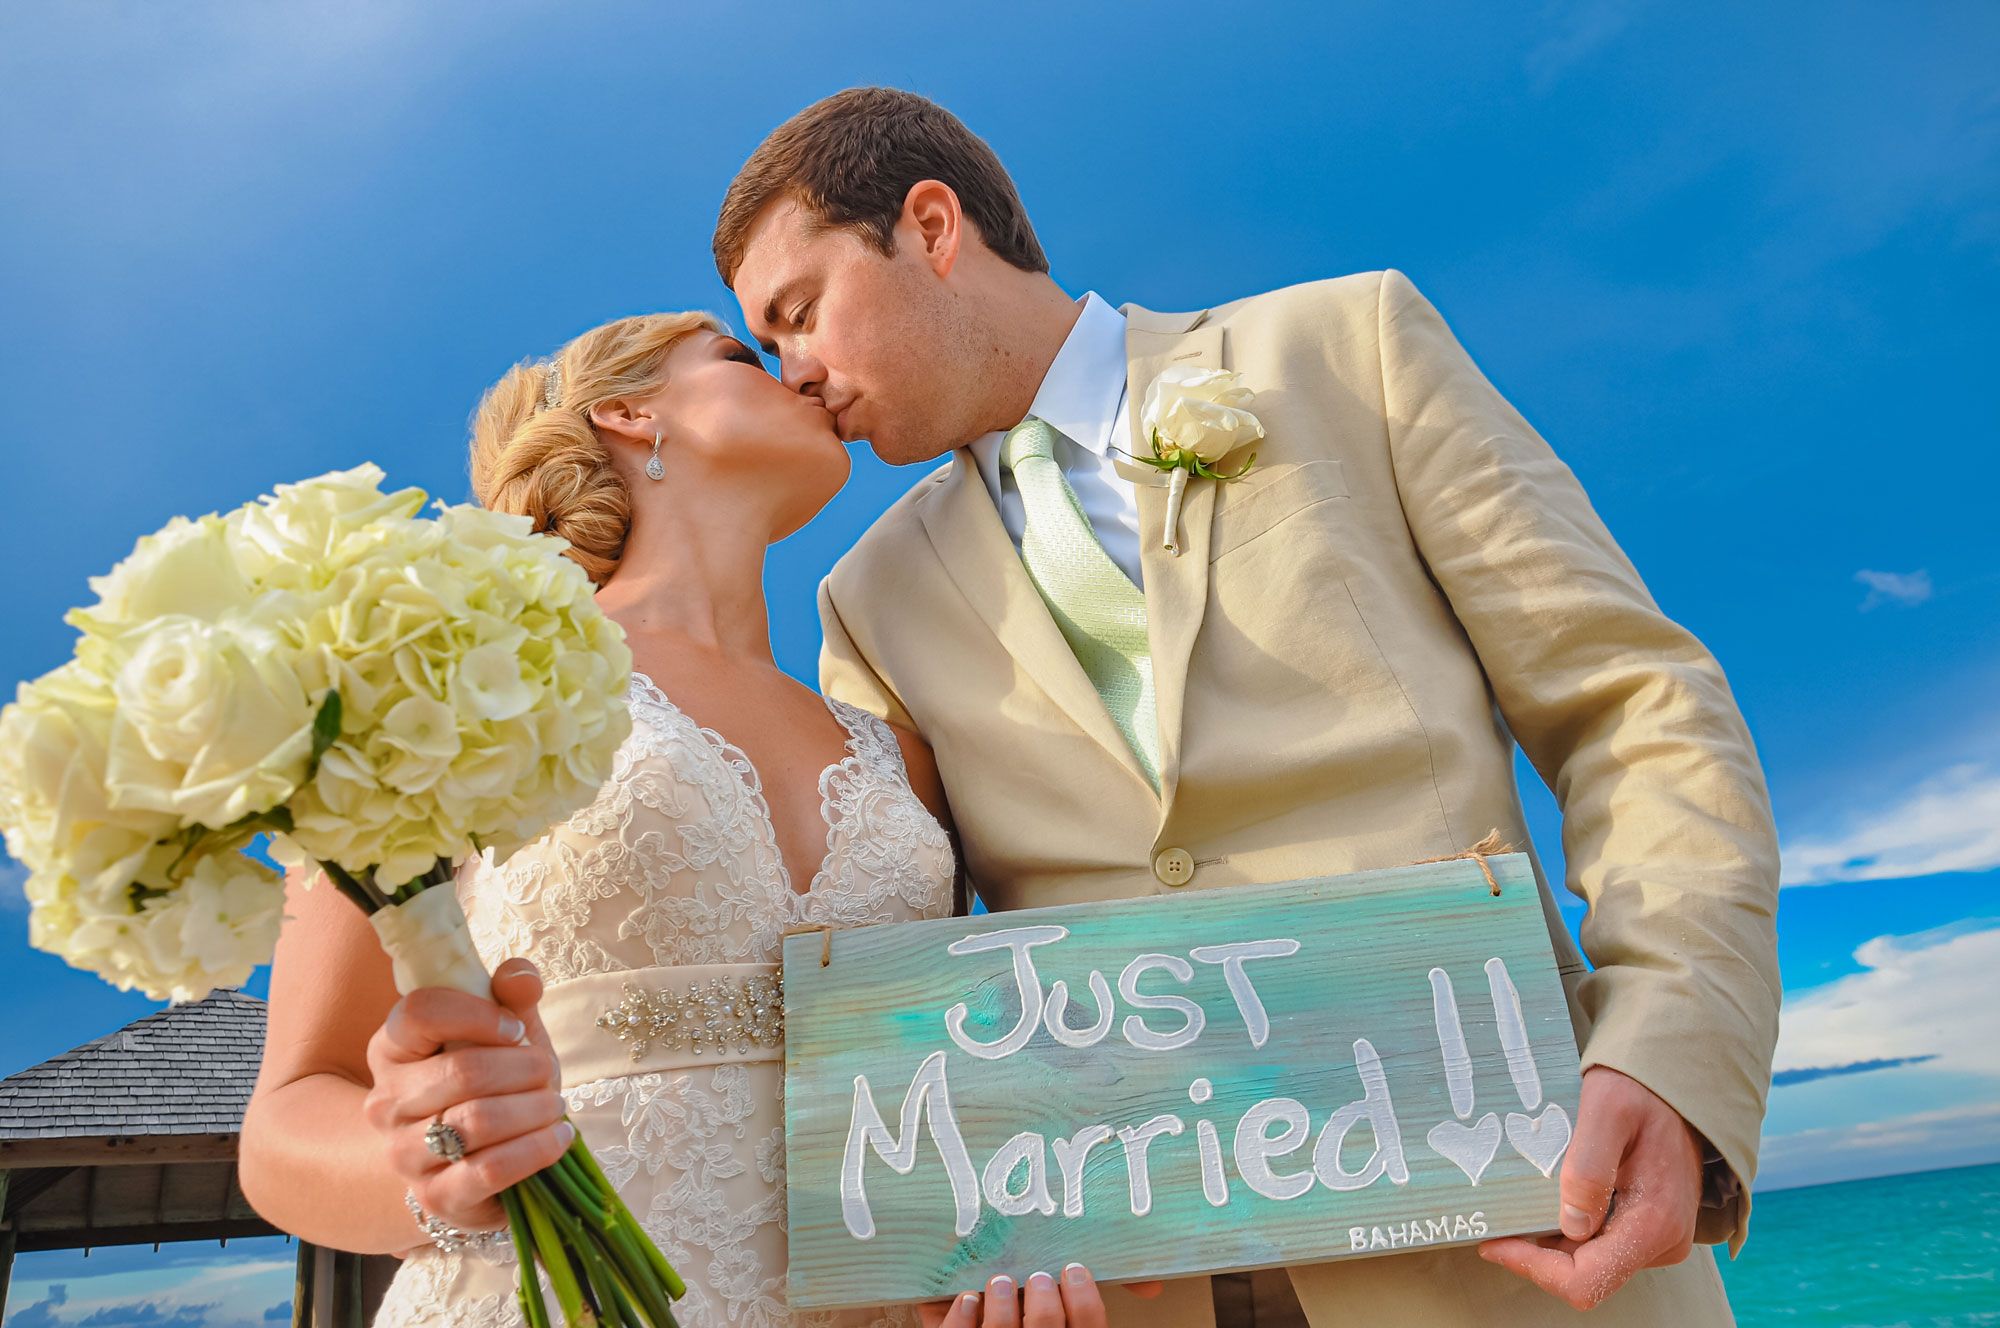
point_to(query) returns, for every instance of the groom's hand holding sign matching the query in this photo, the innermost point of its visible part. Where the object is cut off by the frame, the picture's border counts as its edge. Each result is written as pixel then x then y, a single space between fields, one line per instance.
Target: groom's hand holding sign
pixel 1631 1146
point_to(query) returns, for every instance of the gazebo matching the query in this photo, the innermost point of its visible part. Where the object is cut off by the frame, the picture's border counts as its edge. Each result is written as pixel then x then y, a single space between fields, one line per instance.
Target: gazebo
pixel 131 1139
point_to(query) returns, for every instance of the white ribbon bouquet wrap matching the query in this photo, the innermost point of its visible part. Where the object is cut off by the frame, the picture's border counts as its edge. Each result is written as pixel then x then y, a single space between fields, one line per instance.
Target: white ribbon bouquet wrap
pixel 382 695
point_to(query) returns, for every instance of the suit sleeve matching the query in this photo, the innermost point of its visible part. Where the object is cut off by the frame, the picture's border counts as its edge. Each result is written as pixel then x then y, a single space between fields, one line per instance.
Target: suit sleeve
pixel 846 675
pixel 1667 828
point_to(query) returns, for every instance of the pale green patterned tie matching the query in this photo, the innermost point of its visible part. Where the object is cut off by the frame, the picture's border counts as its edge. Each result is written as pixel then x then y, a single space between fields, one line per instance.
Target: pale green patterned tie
pixel 1101 613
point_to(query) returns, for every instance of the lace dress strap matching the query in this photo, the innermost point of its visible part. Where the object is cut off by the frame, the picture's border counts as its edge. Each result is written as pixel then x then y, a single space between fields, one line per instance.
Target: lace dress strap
pixel 870 740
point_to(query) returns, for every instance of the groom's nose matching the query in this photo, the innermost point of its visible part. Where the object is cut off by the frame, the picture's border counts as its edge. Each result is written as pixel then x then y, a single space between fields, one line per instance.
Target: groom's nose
pixel 804 374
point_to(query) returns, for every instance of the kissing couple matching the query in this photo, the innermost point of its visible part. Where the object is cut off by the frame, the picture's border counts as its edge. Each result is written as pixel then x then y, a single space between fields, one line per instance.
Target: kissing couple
pixel 1051 674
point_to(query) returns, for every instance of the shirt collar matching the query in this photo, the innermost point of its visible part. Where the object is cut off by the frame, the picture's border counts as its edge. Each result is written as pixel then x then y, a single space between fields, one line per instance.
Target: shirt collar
pixel 1080 393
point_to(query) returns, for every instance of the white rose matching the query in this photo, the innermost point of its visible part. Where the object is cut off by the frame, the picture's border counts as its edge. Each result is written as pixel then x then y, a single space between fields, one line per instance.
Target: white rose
pixel 54 804
pixel 187 567
pixel 1198 413
pixel 212 724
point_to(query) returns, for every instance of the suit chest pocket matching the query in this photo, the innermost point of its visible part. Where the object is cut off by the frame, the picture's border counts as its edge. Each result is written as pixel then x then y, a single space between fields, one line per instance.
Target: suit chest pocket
pixel 1252 507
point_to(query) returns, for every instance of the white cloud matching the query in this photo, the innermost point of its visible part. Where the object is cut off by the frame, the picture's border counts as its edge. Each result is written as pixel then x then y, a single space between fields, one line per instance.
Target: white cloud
pixel 1923 1141
pixel 226 1291
pixel 1917 995
pixel 1917 1000
pixel 1908 589
pixel 1950 823
pixel 1577 32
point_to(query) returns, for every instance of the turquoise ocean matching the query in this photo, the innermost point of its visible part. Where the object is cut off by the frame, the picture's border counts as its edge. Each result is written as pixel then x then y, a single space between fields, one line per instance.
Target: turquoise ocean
pixel 1918 1251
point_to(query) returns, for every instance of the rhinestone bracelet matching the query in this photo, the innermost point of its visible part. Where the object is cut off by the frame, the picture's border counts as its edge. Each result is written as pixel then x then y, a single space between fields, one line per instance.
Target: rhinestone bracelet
pixel 485 1244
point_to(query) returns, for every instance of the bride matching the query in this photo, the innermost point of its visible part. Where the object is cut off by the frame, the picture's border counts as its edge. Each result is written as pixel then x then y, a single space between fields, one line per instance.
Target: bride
pixel 741 805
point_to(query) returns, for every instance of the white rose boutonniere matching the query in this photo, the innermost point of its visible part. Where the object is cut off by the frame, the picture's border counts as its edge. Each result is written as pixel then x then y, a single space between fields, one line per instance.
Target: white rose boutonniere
pixel 1196 417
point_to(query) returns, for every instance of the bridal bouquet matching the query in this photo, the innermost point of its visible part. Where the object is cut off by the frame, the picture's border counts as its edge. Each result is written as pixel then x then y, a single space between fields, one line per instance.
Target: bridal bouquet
pixel 379 693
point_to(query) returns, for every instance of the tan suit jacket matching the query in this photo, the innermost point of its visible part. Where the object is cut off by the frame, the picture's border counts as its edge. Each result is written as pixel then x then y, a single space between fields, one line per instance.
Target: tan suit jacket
pixel 1345 653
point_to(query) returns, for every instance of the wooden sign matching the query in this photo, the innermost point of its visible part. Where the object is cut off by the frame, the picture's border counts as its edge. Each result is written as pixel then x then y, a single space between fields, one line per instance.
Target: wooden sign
pixel 1237 1078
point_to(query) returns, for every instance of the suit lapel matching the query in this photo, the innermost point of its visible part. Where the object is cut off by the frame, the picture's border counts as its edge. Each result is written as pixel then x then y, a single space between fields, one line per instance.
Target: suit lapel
pixel 965 529
pixel 1176 587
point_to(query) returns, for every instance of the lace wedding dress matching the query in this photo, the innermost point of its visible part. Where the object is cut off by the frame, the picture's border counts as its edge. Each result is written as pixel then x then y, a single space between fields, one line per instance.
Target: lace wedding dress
pixel 655 915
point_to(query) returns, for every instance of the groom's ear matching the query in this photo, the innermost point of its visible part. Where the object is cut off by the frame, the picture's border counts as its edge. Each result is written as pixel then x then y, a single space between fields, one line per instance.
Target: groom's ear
pixel 933 225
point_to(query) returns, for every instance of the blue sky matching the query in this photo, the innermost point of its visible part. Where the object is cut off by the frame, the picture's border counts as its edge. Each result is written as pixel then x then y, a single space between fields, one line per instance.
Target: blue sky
pixel 1738 263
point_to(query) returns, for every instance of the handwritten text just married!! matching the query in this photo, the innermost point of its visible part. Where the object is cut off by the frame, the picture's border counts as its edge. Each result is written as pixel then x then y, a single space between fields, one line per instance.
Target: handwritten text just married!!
pixel 1015 1180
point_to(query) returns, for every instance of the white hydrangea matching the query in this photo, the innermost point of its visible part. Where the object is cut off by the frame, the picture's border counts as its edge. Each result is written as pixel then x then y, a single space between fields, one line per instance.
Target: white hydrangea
pixel 481 696
pixel 180 929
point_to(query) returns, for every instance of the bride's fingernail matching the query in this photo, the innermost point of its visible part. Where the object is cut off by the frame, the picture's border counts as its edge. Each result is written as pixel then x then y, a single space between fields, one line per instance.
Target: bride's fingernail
pixel 1001 1285
pixel 1041 1282
pixel 969 1302
pixel 1075 1274
pixel 565 1133
pixel 511 1028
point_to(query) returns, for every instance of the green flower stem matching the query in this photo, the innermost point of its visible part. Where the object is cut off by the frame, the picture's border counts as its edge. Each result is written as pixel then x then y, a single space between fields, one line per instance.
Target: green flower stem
pixel 529 1292
pixel 676 1288
pixel 578 1190
pixel 634 1284
pixel 632 1279
pixel 562 1279
pixel 603 1283
pixel 612 1258
pixel 354 887
pixel 440 872
pixel 557 1247
pixel 641 1273
pixel 622 1280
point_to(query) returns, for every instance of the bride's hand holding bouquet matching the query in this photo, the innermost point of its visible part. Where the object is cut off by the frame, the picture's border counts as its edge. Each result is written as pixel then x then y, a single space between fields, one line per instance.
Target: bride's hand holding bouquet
pixel 380 694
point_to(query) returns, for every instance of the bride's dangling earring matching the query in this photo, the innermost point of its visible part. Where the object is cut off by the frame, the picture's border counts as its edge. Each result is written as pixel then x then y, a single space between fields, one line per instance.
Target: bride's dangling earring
pixel 655 470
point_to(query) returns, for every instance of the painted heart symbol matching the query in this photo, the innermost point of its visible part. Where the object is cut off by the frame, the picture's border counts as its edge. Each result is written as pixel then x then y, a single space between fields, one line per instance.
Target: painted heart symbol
pixel 1540 1139
pixel 1470 1148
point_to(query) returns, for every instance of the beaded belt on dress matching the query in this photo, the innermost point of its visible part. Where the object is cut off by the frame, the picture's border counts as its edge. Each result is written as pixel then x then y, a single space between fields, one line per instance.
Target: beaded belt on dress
pixel 682 1016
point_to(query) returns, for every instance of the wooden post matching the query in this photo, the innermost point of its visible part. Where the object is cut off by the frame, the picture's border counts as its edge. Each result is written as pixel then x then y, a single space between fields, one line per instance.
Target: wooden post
pixel 351 1287
pixel 326 1286
pixel 302 1286
pixel 6 1246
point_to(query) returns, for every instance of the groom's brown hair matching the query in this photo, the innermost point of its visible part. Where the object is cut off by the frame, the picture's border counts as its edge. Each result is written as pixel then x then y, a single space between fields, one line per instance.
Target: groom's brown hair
pixel 850 160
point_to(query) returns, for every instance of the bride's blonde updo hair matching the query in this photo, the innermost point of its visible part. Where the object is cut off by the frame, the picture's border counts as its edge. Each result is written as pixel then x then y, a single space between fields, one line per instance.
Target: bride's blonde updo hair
pixel 535 451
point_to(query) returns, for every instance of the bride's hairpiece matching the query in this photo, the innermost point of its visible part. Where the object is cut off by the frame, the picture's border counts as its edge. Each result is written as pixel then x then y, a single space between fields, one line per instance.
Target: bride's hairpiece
pixel 552 393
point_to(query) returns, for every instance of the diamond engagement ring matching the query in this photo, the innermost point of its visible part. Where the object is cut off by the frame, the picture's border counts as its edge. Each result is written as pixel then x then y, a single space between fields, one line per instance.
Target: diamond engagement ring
pixel 444 1141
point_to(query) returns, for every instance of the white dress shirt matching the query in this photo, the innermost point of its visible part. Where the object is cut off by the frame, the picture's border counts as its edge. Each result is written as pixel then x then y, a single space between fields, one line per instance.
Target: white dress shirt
pixel 1083 398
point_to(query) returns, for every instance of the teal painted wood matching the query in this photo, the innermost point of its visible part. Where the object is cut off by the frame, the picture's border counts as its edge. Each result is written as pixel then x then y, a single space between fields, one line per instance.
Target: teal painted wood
pixel 1358 993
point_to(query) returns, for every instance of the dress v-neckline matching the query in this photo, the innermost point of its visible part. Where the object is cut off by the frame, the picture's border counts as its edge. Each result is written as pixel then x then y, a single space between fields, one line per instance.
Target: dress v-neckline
pixel 744 770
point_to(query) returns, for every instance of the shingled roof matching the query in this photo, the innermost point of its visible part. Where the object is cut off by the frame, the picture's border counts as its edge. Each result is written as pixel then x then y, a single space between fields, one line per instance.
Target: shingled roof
pixel 186 1070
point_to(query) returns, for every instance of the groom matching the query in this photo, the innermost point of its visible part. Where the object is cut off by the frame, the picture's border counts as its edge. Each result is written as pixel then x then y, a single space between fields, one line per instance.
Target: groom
pixel 1329 675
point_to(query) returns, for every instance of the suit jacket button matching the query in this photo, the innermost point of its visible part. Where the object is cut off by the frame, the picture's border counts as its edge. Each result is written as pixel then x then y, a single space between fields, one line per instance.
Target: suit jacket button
pixel 1175 866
